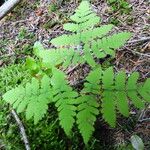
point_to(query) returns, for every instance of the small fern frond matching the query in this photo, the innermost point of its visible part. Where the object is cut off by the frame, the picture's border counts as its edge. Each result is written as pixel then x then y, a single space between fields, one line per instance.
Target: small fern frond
pixel 107 45
pixel 132 88
pixel 86 117
pixel 85 36
pixel 121 97
pixel 54 57
pixel 88 105
pixel 117 92
pixel 50 57
pixel 144 90
pixel 98 32
pixel 33 98
pixel 108 100
pixel 66 40
pixel 93 41
pixel 91 85
pixel 64 98
pixel 84 16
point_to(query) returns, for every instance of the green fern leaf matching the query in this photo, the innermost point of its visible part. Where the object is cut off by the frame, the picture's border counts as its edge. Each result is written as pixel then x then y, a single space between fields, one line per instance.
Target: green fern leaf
pixel 116 93
pixel 93 80
pixel 107 44
pixel 121 97
pixel 99 32
pixel 88 56
pixel 117 40
pixel 88 104
pixel 87 111
pixel 71 27
pixel 144 90
pixel 132 90
pixel 54 57
pixel 93 42
pixel 37 48
pixel 66 40
pixel 108 100
pixel 84 16
pixel 64 98
pixel 33 98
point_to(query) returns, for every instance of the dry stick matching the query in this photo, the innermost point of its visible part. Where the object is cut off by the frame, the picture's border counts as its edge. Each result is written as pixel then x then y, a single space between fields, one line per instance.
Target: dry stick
pixel 7 7
pixel 143 39
pixel 22 130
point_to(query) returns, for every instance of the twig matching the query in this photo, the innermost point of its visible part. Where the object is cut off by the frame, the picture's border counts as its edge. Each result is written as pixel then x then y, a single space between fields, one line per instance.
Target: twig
pixel 72 69
pixel 142 116
pixel 143 39
pixel 145 120
pixel 138 53
pixel 142 54
pixel 7 55
pixel 22 130
pixel 7 7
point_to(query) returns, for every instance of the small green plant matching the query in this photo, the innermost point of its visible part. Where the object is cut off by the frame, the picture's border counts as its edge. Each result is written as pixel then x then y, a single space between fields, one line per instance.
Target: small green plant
pixel 120 5
pixel 22 33
pixel 52 8
pixel 104 91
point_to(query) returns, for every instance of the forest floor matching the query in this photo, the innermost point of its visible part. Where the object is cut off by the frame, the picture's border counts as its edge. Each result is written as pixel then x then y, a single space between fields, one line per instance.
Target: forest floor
pixel 43 20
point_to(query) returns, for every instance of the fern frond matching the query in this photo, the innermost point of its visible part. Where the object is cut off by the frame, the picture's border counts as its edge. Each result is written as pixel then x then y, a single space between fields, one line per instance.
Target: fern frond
pixel 85 35
pixel 54 57
pixel 144 90
pixel 108 99
pixel 92 82
pixel 33 98
pixel 88 104
pixel 51 57
pixel 84 16
pixel 66 40
pixel 107 45
pixel 132 88
pixel 88 56
pixel 64 98
pixel 117 92
pixel 121 97
pixel 86 117
pixel 98 32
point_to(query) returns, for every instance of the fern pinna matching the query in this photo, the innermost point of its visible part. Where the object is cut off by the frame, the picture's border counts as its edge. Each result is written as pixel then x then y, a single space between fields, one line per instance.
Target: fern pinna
pixel 84 39
pixel 64 98
pixel 104 90
pixel 33 99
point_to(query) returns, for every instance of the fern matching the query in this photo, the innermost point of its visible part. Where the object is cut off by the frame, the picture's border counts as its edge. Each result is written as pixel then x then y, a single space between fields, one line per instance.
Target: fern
pixel 64 98
pixel 88 105
pixel 104 91
pixel 33 98
pixel 85 42
pixel 116 92
pixel 55 57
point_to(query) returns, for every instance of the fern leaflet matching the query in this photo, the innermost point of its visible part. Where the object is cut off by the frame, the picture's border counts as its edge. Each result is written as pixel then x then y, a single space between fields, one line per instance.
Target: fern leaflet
pixel 33 98
pixel 64 98
pixel 85 35
pixel 116 93
pixel 88 105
